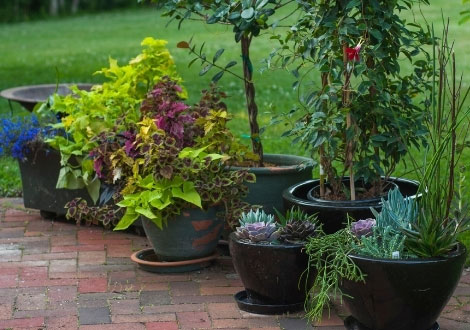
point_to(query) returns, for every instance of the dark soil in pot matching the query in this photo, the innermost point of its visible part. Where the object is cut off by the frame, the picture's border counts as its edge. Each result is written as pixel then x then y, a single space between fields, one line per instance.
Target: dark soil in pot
pixel 403 294
pixel 271 274
pixel 334 214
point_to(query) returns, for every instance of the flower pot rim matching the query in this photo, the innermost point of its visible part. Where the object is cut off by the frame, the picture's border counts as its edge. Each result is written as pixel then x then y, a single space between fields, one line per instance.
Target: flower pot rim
pixel 302 163
pixel 288 194
pixel 266 246
pixel 373 200
pixel 461 249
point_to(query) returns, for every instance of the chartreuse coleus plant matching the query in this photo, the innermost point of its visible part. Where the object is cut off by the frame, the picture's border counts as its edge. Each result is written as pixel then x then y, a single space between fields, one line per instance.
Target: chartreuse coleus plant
pixel 360 110
pixel 248 19
pixel 108 107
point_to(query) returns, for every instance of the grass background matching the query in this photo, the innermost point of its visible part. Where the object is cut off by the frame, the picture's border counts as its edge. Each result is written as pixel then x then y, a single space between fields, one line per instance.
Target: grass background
pixel 71 49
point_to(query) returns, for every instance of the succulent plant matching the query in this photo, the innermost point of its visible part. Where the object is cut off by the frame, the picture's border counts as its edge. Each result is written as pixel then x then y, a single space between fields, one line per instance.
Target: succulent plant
pixel 256 217
pixel 257 226
pixel 363 227
pixel 296 231
pixel 297 226
pixel 258 232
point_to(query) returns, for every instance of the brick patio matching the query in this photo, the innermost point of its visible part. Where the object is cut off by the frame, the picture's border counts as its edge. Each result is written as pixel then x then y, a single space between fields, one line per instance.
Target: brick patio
pixel 55 275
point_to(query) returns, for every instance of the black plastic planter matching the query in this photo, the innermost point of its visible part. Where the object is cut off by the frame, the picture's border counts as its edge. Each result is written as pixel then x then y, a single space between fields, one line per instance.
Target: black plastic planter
pixel 402 294
pixel 334 214
pixel 39 174
pixel 274 276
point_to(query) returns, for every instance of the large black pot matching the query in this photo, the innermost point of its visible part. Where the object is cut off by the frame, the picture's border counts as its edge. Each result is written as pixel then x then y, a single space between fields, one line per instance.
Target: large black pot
pixel 334 214
pixel 403 294
pixel 39 174
pixel 272 180
pixel 273 275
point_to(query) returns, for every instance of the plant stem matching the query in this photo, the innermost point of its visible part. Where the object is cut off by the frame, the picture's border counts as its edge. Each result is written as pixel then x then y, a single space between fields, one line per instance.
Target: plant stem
pixel 324 83
pixel 349 146
pixel 252 108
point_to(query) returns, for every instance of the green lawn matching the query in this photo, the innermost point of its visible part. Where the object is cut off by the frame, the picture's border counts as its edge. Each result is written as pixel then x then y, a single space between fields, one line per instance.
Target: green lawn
pixel 71 49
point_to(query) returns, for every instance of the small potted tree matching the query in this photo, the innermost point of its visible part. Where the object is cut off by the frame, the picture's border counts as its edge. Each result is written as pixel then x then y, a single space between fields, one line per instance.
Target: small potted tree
pixel 363 117
pixel 398 271
pixel 270 259
pixel 249 19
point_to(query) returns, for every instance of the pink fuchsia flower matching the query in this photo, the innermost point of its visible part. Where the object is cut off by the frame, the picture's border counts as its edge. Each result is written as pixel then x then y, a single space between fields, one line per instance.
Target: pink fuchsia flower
pixel 353 53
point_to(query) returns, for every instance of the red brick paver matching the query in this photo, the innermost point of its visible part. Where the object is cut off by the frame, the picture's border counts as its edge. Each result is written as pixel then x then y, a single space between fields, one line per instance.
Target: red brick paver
pixel 55 275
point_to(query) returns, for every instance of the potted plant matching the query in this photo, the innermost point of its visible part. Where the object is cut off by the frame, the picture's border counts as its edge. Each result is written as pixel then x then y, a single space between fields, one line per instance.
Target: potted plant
pixel 24 139
pixel 271 261
pixel 398 271
pixel 173 179
pixel 85 115
pixel 361 120
pixel 274 172
pixel 60 169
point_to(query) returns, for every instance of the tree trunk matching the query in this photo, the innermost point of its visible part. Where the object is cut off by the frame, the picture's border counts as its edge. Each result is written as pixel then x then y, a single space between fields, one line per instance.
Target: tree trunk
pixel 53 7
pixel 250 98
pixel 74 7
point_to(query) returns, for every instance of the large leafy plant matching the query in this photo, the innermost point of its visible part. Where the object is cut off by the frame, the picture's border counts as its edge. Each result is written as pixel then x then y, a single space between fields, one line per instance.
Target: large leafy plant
pixel 426 227
pixel 364 115
pixel 175 157
pixel 248 19
pixel 107 107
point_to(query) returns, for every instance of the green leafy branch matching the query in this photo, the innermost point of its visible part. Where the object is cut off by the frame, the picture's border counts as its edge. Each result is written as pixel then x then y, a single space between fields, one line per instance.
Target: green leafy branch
pixel 209 64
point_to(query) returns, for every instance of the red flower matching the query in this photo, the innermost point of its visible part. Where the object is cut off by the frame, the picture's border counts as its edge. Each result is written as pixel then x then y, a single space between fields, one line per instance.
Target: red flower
pixel 353 53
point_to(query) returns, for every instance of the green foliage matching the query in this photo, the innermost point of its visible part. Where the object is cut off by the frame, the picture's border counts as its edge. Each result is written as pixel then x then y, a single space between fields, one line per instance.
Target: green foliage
pixel 465 13
pixel 115 103
pixel 385 243
pixel 248 19
pixel 329 259
pixel 365 114
pixel 442 216
pixel 295 214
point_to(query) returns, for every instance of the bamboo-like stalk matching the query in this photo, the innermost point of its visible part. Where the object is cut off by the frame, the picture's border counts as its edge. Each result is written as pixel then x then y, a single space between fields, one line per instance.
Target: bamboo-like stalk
pixel 349 146
pixel 324 82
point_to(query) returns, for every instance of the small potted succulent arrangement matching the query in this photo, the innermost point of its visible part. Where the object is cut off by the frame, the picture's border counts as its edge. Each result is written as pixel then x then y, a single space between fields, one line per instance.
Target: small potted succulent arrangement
pixel 171 164
pixel 398 270
pixel 269 256
pixel 360 122
pixel 274 172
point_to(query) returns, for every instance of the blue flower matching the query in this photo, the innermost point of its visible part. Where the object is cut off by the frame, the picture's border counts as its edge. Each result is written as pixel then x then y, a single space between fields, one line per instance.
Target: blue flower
pixel 16 136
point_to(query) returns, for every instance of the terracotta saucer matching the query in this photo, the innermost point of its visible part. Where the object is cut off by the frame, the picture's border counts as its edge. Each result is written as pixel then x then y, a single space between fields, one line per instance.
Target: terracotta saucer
pixel 149 261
